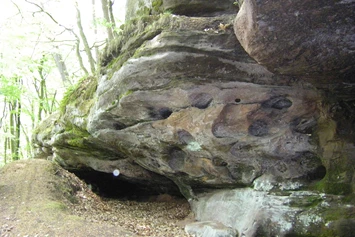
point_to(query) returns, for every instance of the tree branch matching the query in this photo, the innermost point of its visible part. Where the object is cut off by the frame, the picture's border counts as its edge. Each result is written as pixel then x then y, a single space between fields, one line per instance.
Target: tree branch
pixel 18 8
pixel 45 12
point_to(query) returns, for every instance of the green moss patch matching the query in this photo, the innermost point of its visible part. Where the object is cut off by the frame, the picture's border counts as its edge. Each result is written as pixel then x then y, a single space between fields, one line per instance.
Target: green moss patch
pixel 157 6
pixel 80 93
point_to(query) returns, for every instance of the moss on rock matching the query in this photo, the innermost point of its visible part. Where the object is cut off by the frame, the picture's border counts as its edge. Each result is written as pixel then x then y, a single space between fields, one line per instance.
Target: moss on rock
pixel 80 93
pixel 157 6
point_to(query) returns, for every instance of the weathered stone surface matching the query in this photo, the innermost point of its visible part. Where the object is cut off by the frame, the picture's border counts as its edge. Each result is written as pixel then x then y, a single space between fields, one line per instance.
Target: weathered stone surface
pixel 198 100
pixel 209 229
pixel 258 213
pixel 136 8
pixel 310 39
pixel 63 137
pixel 199 7
pixel 180 102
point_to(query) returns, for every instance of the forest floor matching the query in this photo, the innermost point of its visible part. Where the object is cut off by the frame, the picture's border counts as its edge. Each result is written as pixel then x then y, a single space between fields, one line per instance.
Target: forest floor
pixel 39 198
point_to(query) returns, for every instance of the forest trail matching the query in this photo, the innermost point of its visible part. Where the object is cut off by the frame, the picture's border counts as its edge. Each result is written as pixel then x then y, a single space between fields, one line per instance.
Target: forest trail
pixel 39 198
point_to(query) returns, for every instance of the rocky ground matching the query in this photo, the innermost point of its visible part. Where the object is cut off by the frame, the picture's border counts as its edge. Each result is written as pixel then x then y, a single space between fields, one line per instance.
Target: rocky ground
pixel 39 198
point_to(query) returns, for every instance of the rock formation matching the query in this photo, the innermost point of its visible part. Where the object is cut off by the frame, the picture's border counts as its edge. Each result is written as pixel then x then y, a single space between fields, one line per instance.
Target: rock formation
pixel 318 36
pixel 179 101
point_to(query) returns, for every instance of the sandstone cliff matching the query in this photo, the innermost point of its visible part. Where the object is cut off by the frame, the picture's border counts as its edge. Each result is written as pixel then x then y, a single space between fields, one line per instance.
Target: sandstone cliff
pixel 260 130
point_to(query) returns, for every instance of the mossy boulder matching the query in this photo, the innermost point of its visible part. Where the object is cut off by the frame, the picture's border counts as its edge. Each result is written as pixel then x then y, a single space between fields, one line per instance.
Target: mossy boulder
pixel 179 101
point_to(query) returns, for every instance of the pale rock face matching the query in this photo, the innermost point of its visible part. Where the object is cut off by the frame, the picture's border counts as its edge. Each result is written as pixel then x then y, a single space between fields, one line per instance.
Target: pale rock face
pixel 209 229
pixel 260 213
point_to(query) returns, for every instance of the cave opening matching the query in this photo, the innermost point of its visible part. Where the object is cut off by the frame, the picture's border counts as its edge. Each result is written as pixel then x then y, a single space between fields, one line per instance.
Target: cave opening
pixel 107 185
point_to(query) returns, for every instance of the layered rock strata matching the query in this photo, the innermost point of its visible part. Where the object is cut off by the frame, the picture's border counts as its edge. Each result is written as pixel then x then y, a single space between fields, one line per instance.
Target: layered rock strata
pixel 180 102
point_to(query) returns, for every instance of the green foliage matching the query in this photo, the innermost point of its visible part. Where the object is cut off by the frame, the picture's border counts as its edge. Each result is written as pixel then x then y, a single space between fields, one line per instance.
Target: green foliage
pixel 156 5
pixel 83 89
pixel 77 136
pixel 10 88
pixel 134 33
pixel 168 12
pixel 103 22
pixel 66 98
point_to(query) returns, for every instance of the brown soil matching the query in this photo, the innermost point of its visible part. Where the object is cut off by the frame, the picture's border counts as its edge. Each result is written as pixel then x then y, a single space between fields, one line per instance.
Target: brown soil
pixel 39 198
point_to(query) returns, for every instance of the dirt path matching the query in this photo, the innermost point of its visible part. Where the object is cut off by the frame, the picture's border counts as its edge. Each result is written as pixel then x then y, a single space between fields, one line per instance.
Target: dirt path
pixel 38 198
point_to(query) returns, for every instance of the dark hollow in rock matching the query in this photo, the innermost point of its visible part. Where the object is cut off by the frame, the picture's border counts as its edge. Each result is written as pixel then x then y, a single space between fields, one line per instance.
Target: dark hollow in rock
pixel 238 171
pixel 161 113
pixel 237 100
pixel 118 126
pixel 218 161
pixel 317 174
pixel 176 158
pixel 200 100
pixel 185 137
pixel 198 7
pixel 176 164
pixel 345 227
pixel 279 102
pixel 303 125
pixel 165 113
pixel 108 185
pixel 258 128
pixel 311 165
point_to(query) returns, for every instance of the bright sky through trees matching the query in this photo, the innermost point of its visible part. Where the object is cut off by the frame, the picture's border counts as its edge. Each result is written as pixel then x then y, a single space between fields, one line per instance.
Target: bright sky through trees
pixel 40 46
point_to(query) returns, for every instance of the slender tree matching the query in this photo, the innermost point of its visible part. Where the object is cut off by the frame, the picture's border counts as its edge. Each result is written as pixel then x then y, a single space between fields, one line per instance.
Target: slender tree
pixel 62 68
pixel 85 41
pixel 11 90
pixel 109 18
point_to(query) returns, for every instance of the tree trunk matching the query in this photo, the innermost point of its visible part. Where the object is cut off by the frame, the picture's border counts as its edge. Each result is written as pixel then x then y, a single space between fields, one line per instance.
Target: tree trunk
pixel 93 3
pixel 80 59
pixel 15 128
pixel 18 130
pixel 85 42
pixel 62 68
pixel 105 10
pixel 6 145
pixel 112 19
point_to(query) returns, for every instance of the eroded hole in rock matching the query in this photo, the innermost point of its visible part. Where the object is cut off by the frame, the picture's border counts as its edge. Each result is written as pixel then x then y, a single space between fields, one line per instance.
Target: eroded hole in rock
pixel 176 158
pixel 160 113
pixel 303 125
pixel 118 187
pixel 197 9
pixel 278 102
pixel 259 128
pixel 317 174
pixel 165 112
pixel 185 137
pixel 237 100
pixel 118 126
pixel 219 162
pixel 200 100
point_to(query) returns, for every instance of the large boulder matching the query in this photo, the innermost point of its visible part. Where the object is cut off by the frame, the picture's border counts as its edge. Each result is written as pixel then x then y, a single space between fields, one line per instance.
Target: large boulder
pixel 204 114
pixel 179 102
pixel 309 39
